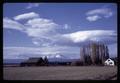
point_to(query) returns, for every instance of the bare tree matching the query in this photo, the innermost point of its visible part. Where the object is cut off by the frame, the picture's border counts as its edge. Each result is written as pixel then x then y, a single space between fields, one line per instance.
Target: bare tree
pixel 46 61
pixel 82 54
pixel 95 53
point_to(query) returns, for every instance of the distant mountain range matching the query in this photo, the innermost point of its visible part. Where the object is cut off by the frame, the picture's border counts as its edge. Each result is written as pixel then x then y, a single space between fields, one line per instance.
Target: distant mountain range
pixel 13 61
pixel 51 58
pixel 59 58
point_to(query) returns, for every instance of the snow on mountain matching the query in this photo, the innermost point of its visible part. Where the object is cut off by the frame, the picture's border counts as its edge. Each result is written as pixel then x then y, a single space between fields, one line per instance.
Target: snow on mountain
pixel 54 56
pixel 58 58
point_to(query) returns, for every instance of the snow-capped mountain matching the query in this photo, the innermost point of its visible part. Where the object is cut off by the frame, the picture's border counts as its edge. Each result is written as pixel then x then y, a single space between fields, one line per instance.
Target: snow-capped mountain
pixel 59 58
pixel 54 56
pixel 51 58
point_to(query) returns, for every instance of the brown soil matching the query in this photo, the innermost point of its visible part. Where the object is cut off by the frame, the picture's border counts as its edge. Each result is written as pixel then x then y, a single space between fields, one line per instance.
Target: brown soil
pixel 60 73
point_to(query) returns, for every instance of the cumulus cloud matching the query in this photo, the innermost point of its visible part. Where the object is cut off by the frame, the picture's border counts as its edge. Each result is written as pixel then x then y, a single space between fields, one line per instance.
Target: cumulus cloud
pixel 26 16
pixel 41 23
pixel 32 5
pixel 103 11
pixel 39 29
pixel 96 14
pixel 11 24
pixel 36 43
pixel 93 18
pixel 43 32
pixel 83 37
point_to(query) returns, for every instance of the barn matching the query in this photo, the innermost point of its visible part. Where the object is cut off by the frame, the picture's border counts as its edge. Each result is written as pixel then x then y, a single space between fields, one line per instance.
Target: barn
pixel 33 62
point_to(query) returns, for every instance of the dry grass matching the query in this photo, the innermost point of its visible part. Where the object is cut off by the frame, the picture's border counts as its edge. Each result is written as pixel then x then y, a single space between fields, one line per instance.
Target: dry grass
pixel 60 73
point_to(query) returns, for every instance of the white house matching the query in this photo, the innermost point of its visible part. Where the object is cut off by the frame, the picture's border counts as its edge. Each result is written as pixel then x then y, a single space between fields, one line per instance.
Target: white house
pixel 109 62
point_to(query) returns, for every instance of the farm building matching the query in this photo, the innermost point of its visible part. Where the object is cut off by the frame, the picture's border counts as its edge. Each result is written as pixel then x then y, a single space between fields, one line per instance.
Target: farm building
pixel 34 62
pixel 109 62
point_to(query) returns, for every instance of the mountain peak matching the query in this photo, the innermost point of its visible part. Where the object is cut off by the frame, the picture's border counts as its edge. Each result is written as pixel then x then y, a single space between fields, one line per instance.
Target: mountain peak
pixel 58 56
pixel 54 56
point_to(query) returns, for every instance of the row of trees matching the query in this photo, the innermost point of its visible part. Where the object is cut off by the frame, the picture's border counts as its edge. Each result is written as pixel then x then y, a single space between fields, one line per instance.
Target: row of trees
pixel 94 53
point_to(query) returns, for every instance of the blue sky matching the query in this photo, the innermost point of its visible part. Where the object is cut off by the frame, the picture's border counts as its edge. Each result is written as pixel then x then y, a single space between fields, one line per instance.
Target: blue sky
pixel 44 29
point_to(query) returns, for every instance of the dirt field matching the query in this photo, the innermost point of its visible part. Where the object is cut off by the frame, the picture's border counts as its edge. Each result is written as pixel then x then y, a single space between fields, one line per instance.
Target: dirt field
pixel 60 73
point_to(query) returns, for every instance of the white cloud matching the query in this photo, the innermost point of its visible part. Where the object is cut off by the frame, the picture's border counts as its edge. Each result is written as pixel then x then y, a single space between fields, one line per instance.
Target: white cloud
pixel 41 23
pixel 102 11
pixel 80 37
pixel 43 32
pixel 31 5
pixel 41 29
pixel 36 43
pixel 93 18
pixel 26 16
pixel 98 14
pixel 36 32
pixel 11 24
